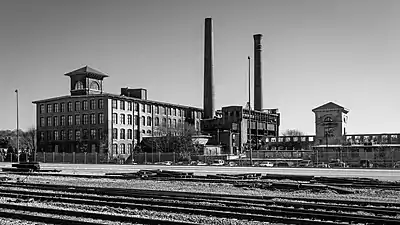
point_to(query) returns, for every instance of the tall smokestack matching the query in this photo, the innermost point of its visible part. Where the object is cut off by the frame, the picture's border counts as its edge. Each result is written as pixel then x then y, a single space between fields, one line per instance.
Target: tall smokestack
pixel 208 103
pixel 257 72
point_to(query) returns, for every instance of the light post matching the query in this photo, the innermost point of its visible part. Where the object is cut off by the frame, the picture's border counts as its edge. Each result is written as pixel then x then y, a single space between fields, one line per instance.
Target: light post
pixel 16 91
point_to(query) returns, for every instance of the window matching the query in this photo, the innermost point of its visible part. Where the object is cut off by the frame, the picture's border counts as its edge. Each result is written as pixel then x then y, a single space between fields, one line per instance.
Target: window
pixel 94 85
pixel 77 119
pixel 49 108
pixel 174 111
pixel 169 111
pixel 62 121
pixel 49 121
pixel 122 118
pixel 85 105
pixel 179 122
pixel 92 118
pixel 143 131
pixel 122 148
pixel 77 135
pixel 56 137
pixel 179 112
pixel 163 112
pixel 174 123
pixel 92 104
pixel 143 121
pixel 169 122
pixel 78 85
pixel 114 118
pixel 115 148
pixel 129 119
pixel 122 134
pixel 93 134
pixel 157 109
pixel 56 109
pixel 101 103
pixel 122 105
pixel 42 108
pixel 85 119
pixel 130 148
pixel 149 132
pixel 70 137
pixel 114 104
pixel 115 133
pixel 62 135
pixel 183 113
pixel 149 108
pixel 69 106
pixel 101 118
pixel 130 106
pixel 136 120
pixel 77 106
pixel 148 121
pixel 199 115
pixel 136 105
pixel 143 106
pixel 164 122
pixel 62 107
pixel 157 122
pixel 129 133
pixel 42 122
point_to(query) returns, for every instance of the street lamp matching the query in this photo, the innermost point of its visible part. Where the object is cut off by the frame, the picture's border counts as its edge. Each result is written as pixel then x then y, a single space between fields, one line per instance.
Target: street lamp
pixel 16 91
pixel 251 151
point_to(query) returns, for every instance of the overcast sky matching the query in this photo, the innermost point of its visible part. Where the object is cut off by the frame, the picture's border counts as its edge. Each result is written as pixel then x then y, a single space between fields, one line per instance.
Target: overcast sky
pixel 314 51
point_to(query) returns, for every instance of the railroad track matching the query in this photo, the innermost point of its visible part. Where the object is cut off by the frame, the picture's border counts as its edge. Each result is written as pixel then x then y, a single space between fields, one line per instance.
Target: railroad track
pixel 239 207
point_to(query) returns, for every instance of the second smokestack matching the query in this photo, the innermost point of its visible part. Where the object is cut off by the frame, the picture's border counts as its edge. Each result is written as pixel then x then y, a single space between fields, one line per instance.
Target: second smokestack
pixel 208 103
pixel 257 72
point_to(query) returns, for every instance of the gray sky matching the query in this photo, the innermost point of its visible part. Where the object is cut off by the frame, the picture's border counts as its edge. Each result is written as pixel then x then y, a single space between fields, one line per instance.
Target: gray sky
pixel 315 51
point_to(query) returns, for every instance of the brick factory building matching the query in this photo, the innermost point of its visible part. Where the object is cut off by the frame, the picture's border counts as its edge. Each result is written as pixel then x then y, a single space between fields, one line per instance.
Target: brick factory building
pixel 94 121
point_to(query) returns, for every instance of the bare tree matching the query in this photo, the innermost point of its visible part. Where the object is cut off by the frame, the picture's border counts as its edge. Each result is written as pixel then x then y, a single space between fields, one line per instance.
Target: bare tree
pixel 292 132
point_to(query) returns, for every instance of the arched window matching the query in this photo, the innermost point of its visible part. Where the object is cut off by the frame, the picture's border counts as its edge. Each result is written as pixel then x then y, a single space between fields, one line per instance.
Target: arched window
pixel 115 133
pixel 129 133
pixel 122 134
pixel 148 131
pixel 157 121
pixel 122 148
pixel 169 122
pixel 143 121
pixel 197 125
pixel 130 148
pixel 164 122
pixel 115 148
pixel 174 123
pixel 328 119
pixel 148 121
pixel 94 85
pixel 78 85
pixel 143 131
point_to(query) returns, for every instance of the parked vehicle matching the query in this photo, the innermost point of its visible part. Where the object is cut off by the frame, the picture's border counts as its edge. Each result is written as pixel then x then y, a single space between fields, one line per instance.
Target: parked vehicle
pixel 266 164
pixel 282 164
pixel 306 163
pixel 322 165
pixel 232 164
pixel 198 163
pixel 397 165
pixel 218 162
pixel 337 163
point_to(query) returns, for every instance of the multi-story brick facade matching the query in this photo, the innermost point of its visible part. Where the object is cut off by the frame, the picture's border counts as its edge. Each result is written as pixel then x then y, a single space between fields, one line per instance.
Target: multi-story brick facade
pixel 93 121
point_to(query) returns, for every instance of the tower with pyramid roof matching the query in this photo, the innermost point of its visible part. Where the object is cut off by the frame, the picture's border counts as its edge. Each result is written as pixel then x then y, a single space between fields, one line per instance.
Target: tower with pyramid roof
pixel 86 81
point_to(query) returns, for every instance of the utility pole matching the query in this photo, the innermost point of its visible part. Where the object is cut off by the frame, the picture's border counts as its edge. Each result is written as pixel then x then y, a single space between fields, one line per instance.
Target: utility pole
pixel 251 151
pixel 16 91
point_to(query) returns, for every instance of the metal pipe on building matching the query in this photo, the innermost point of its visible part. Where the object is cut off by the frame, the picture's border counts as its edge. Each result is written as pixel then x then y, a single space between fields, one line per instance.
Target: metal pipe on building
pixel 208 103
pixel 257 72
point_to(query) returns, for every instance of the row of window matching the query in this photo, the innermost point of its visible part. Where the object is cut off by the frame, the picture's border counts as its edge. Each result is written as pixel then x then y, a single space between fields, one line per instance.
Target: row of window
pixel 77 135
pixel 78 106
pixel 70 120
pixel 289 139
pixel 123 105
pixel 120 149
pixel 145 121
pixel 123 134
pixel 373 139
pixel 127 134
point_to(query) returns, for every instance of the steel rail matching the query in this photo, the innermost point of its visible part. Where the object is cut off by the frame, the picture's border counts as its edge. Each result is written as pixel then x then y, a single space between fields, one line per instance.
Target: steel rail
pixel 133 192
pixel 240 213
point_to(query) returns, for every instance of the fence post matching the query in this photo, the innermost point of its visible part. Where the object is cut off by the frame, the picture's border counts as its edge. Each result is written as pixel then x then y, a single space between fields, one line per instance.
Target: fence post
pixel 63 157
pixel 53 156
pixel 108 158
pixel 174 156
pixel 73 157
pixel 159 156
pixel 145 158
pixel 95 158
pixel 84 160
pixel 44 157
